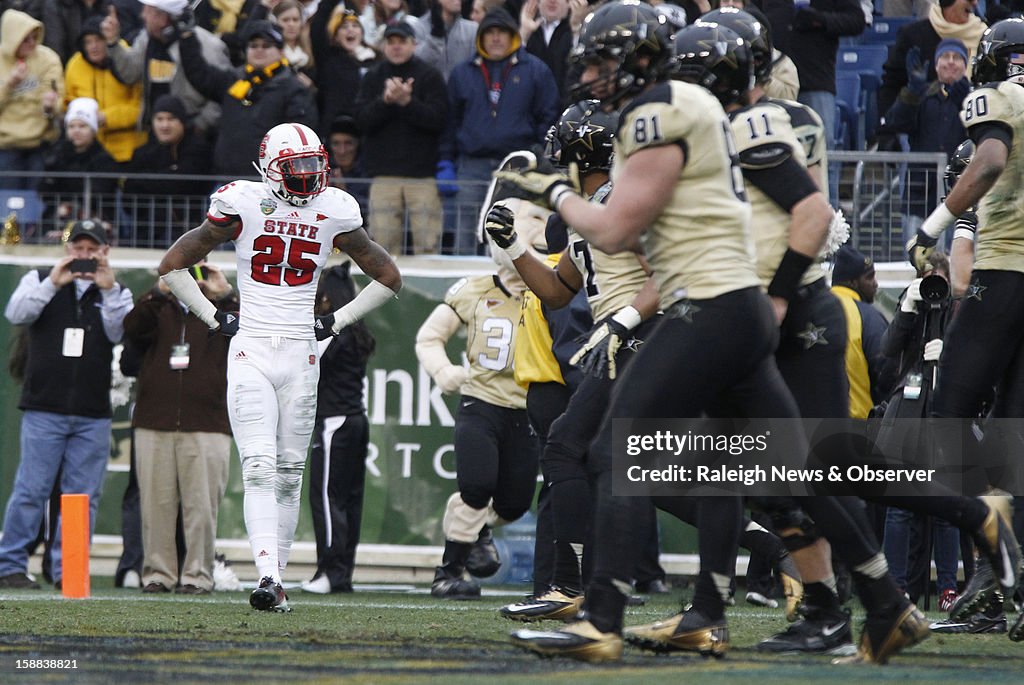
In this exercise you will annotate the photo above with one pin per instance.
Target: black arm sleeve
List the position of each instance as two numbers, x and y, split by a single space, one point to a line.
786 184
992 129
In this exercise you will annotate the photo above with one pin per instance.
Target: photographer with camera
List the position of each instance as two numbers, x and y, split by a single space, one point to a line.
74 315
182 431
914 341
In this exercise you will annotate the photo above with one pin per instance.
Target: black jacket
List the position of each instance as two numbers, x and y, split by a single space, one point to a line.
63 157
192 399
244 122
555 54
189 157
402 141
810 37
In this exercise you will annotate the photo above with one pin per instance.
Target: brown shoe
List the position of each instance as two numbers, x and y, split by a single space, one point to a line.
191 590
155 588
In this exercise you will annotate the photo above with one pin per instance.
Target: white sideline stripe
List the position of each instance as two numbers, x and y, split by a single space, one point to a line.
298 600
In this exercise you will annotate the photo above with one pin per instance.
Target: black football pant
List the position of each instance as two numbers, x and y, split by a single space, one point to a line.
703 354
564 459
983 350
495 457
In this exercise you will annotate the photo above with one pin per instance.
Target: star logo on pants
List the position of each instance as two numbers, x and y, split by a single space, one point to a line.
813 335
683 309
633 344
974 290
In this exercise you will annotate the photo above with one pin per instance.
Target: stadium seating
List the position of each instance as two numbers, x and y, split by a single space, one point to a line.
884 30
866 61
849 111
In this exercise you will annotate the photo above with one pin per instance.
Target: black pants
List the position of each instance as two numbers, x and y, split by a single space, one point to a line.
496 457
337 472
704 354
545 402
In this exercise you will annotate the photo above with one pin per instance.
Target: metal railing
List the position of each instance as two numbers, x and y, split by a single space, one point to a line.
884 195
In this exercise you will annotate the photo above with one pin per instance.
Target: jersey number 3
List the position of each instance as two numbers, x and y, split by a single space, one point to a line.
270 254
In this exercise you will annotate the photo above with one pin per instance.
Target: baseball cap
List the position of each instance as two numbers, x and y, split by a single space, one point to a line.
400 28
264 29
89 228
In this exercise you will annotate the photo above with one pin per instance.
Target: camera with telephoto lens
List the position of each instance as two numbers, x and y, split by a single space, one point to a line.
934 289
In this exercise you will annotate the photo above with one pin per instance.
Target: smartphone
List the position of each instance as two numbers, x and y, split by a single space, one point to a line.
200 273
82 266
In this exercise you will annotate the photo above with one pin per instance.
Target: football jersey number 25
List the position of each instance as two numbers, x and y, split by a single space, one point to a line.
270 254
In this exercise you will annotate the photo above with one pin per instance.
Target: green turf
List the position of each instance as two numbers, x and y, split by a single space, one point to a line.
389 637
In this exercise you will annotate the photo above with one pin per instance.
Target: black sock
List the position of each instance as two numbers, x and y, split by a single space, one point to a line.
821 597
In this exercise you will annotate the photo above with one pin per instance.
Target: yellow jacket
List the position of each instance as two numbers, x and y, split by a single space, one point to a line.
856 361
22 123
119 103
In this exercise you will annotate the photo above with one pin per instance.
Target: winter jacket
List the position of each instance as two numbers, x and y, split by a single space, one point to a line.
402 141
925 35
278 99
810 37
132 66
526 109
22 124
457 45
192 399
120 103
63 157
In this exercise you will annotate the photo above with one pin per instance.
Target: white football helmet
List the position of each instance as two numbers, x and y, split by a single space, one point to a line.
293 163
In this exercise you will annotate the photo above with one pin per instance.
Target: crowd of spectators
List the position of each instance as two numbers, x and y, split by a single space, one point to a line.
238 68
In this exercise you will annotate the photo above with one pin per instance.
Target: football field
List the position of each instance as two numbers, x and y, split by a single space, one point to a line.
123 636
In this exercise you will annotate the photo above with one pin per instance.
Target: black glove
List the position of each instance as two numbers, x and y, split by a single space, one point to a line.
919 249
500 225
808 19
323 327
228 323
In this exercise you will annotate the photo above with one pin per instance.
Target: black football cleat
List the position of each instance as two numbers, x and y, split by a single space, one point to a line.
554 604
818 632
269 596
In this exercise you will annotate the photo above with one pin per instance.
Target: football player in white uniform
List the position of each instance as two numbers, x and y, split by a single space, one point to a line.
283 229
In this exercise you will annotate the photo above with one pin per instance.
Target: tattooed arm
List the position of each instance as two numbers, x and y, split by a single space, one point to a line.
373 259
375 263
186 251
196 244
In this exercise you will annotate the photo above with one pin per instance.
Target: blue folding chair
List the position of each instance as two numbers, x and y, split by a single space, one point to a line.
866 61
884 30
849 119
24 203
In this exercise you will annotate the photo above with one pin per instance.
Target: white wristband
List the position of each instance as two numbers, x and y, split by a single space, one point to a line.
515 250
186 289
938 220
558 195
628 316
369 298
965 233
